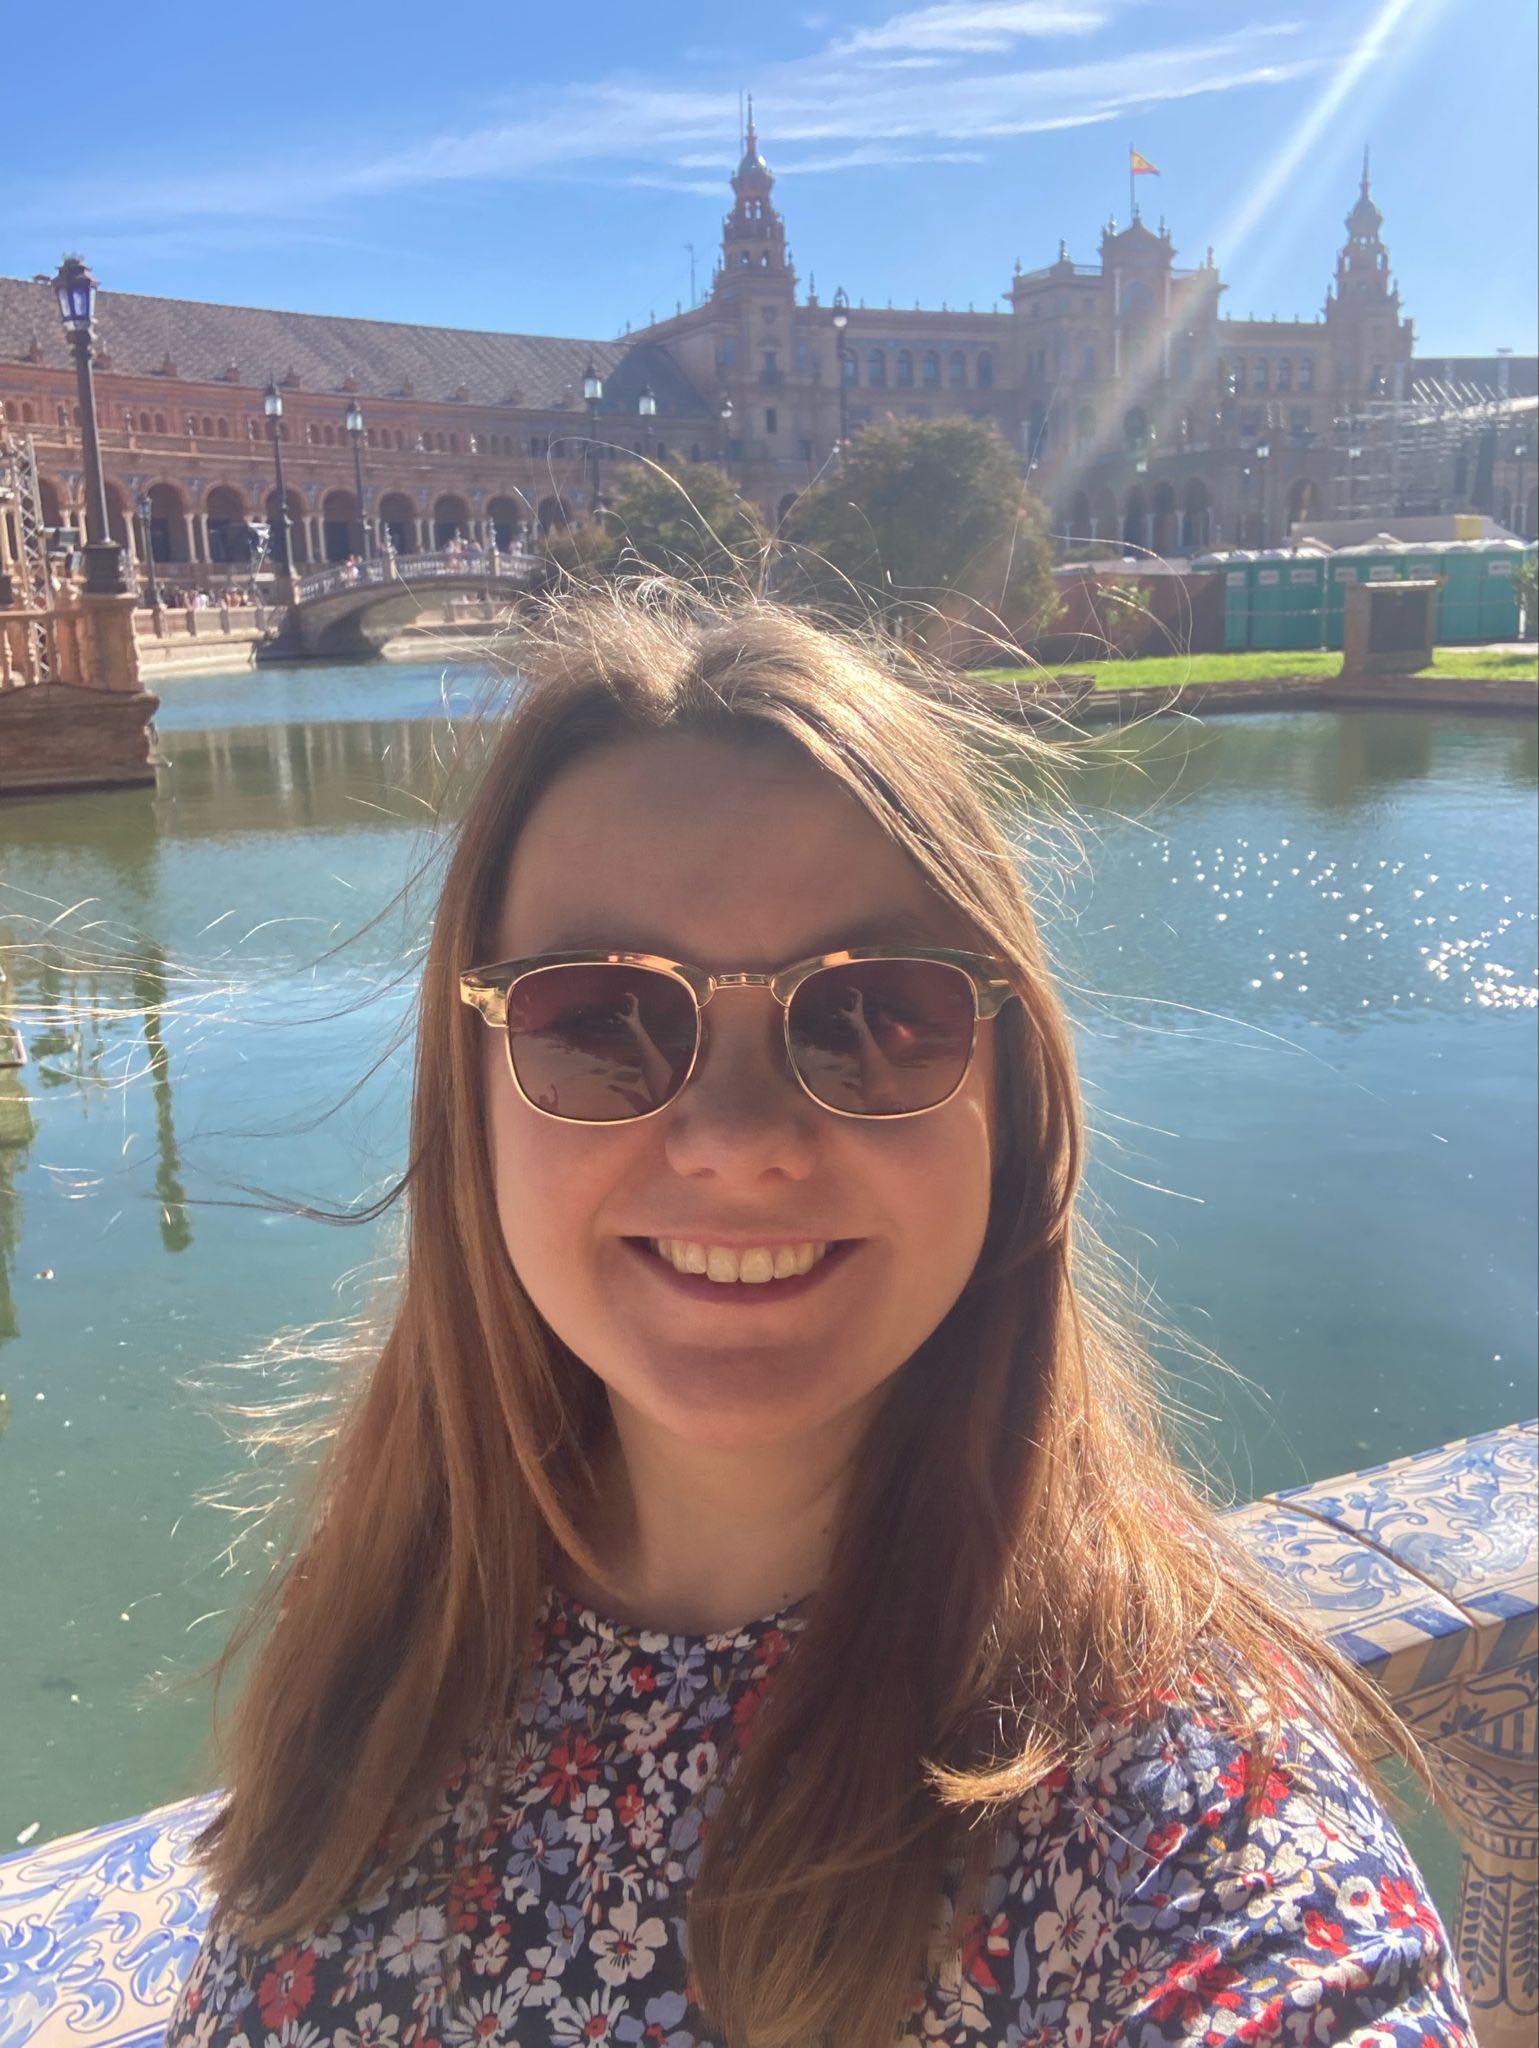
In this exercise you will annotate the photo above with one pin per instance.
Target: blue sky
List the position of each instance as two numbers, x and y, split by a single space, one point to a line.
543 169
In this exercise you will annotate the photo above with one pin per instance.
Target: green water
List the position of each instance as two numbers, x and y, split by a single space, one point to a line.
1303 961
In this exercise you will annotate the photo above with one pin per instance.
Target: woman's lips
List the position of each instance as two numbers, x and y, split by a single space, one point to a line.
740 1294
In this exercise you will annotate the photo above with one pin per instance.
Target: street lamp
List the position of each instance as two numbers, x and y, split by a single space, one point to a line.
646 404
354 419
145 511
75 289
1263 455
593 392
841 320
724 414
272 405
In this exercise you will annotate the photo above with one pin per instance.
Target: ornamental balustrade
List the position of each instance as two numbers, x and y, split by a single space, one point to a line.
1424 1571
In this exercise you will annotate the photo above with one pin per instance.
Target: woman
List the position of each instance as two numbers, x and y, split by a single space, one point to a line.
748 1598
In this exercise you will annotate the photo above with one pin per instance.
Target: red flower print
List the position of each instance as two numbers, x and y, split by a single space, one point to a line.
285 1991
472 1894
1195 1985
630 1805
983 1940
1263 2025
573 1764
1162 1840
1322 1933
644 1679
1405 1906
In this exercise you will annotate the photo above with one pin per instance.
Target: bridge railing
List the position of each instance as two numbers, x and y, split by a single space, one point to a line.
501 563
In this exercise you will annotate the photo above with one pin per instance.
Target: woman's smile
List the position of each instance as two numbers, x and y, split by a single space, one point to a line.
743 1293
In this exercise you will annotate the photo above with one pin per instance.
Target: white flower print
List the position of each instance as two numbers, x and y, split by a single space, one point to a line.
537 1980
587 2022
1066 1931
486 2018
625 1950
375 2028
490 1956
415 1941
701 1766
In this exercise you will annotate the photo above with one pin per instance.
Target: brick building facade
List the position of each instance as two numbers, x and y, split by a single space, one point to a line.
1140 411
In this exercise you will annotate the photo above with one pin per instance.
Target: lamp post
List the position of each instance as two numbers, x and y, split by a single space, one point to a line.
272 405
646 404
593 392
724 414
841 320
75 289
354 418
145 511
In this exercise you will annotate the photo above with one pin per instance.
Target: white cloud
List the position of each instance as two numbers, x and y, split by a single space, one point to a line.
978 26
855 101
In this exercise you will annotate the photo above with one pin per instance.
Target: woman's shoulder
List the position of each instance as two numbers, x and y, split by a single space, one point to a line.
1155 1892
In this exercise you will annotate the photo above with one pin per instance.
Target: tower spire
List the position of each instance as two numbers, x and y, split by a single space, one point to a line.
751 141
1365 165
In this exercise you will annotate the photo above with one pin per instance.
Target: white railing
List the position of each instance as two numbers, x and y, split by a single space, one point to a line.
500 563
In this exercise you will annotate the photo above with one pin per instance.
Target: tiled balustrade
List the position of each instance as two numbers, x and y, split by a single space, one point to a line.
1425 1571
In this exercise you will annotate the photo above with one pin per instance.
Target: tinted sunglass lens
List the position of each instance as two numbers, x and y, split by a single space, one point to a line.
883 1037
598 1044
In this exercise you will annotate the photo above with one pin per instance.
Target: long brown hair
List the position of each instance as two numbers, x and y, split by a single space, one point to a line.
1018 1548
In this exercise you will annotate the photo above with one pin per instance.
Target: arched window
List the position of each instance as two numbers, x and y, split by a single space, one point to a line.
985 371
1307 374
930 372
208 428
1263 374
1135 430
160 423
956 370
905 368
222 429
454 444
851 367
1285 374
876 366
1084 427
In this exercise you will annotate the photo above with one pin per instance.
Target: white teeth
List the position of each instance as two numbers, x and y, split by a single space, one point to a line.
753 1267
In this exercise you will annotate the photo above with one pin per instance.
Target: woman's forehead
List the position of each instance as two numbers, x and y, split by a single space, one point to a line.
695 837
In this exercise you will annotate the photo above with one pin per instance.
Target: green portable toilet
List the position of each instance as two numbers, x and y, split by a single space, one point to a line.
1304 602
1339 577
1458 612
1268 596
1237 598
1498 590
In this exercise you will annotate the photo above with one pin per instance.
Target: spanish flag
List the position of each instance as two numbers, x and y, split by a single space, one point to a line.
1140 166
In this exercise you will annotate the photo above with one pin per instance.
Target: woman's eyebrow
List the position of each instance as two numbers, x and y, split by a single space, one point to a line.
878 929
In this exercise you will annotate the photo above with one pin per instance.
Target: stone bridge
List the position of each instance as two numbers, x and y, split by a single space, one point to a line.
349 611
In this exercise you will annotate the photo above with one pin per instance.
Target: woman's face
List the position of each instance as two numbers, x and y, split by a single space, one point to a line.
731 860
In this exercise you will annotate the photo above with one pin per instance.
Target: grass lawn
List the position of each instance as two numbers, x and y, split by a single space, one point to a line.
1167 670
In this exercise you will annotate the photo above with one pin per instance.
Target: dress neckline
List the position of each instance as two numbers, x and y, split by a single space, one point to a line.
632 1636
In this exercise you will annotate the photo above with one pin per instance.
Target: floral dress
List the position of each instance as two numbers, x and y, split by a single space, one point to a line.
1131 1904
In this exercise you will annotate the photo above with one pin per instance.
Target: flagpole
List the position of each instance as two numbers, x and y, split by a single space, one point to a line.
1132 202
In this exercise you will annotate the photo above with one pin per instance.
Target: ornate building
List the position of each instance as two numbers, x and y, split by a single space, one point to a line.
1140 411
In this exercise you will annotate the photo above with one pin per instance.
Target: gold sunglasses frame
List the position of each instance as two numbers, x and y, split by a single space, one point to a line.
486 990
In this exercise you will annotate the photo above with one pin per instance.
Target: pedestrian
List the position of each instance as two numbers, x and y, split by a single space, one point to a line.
749 1596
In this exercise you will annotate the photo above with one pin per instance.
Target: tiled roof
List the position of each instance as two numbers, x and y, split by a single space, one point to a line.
138 335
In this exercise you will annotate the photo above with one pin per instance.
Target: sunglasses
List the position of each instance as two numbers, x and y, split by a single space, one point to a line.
606 1038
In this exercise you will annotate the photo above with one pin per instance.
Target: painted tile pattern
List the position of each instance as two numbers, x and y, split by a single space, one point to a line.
1424 1570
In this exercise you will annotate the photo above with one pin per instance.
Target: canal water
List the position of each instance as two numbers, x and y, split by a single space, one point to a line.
1301 950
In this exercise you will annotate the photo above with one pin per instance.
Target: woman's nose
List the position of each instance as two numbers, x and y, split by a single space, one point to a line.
742 1101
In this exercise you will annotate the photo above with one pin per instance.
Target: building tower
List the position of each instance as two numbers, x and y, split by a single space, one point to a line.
1362 309
753 234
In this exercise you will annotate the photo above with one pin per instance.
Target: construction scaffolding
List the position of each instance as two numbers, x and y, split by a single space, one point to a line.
1433 452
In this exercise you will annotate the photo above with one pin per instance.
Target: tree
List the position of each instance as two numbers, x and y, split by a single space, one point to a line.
681 519
926 515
